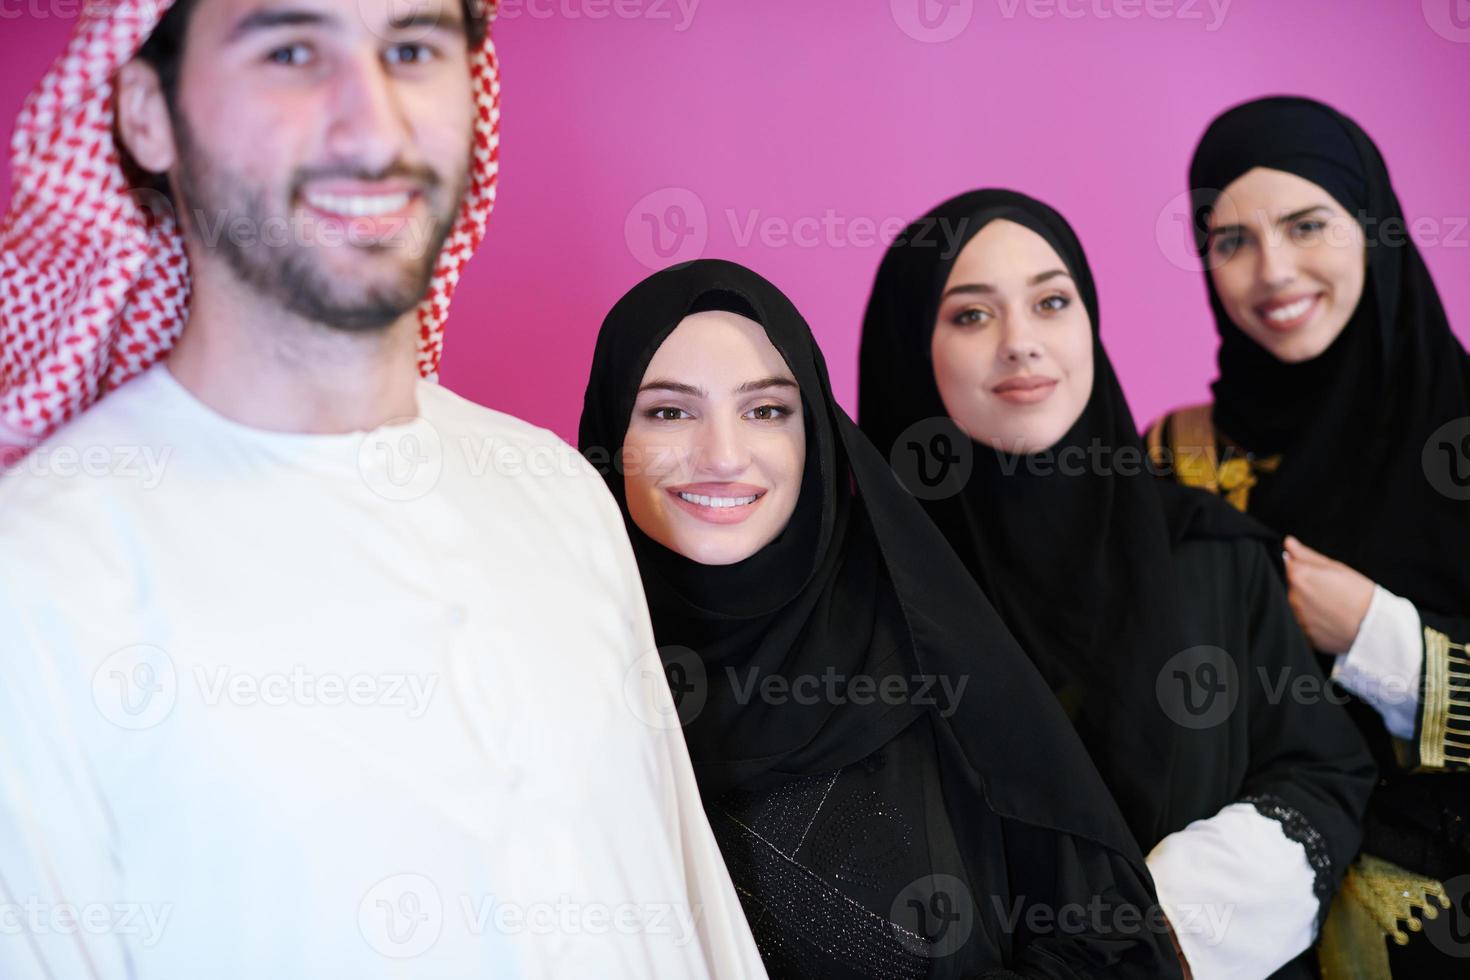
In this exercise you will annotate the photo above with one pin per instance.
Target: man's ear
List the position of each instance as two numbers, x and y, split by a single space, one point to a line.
143 122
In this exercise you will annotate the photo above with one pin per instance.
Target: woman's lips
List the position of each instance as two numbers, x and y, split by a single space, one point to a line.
1026 389
1286 315
717 503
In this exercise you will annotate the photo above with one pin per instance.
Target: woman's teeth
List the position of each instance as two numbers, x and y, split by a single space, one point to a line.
703 501
1282 314
359 206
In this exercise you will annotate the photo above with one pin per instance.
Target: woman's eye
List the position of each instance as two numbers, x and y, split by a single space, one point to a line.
409 54
1308 229
768 413
1055 303
1225 246
970 317
666 414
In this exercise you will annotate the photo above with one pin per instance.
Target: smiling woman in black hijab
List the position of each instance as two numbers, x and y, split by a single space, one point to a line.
894 790
1151 610
1341 417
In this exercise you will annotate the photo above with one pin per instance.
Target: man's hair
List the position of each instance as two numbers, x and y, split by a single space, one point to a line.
164 49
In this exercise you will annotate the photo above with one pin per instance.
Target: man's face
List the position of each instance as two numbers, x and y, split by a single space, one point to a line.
323 148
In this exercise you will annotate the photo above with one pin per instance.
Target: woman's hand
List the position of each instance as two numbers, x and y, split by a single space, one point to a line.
1329 598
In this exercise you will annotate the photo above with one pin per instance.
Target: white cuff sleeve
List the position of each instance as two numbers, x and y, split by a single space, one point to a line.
1385 661
1238 892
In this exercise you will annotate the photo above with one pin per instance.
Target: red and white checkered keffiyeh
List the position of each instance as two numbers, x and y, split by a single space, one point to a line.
94 288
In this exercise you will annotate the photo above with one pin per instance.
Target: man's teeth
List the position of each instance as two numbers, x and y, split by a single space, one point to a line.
1291 311
359 206
704 501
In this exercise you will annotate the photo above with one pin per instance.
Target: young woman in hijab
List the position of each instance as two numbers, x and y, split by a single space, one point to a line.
892 785
1341 418
1152 610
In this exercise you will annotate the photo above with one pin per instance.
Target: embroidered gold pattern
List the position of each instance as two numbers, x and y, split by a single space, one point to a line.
1378 901
1444 733
1193 445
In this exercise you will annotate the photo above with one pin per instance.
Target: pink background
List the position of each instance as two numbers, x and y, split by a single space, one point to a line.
833 119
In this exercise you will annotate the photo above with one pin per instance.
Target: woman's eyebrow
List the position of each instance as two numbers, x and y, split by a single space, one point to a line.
774 381
677 387
985 287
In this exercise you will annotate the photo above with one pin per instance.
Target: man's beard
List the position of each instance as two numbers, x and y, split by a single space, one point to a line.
218 200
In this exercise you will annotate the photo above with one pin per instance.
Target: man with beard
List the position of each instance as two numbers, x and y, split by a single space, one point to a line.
310 667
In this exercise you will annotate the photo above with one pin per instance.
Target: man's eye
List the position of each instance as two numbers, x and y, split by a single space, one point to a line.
415 54
291 54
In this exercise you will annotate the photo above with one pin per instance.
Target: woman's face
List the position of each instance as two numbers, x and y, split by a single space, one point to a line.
1012 345
715 449
1287 261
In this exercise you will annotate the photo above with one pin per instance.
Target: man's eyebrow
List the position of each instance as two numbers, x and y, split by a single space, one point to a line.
273 17
450 21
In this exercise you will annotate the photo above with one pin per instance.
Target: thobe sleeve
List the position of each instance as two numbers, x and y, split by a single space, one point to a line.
1246 888
59 870
729 947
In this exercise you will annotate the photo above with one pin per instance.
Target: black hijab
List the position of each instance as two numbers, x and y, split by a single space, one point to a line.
1078 561
1360 479
858 581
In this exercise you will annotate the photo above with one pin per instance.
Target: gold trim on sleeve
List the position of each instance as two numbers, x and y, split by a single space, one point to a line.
1444 732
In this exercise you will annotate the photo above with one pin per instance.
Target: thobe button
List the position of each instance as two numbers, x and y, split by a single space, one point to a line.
456 614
